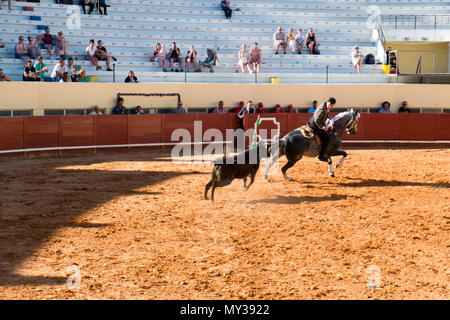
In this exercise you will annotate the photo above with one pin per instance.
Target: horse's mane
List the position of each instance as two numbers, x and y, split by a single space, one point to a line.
339 116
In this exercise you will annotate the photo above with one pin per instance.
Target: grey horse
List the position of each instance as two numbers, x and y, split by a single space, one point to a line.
295 144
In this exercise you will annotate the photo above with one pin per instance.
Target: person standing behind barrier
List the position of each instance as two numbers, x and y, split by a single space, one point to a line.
385 107
404 108
220 109
96 111
313 108
226 7
119 108
249 108
179 109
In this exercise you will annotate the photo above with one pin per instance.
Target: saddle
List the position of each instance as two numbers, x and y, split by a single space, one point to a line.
308 133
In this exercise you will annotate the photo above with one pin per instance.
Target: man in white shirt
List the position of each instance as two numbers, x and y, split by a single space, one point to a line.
59 70
90 51
299 41
96 111
357 57
279 39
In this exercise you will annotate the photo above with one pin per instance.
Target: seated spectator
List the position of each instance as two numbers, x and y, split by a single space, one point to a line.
3 76
65 77
159 55
29 73
119 108
404 108
311 41
102 54
90 51
260 108
290 109
60 44
180 109
290 40
226 7
103 5
96 111
279 40
69 64
220 109
40 67
33 50
9 4
277 109
244 59
21 51
255 57
131 78
59 70
175 56
357 58
385 107
239 108
90 3
138 110
299 41
191 58
74 77
83 76
46 40
313 108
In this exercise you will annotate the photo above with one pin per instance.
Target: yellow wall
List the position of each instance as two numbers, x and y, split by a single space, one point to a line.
40 96
408 59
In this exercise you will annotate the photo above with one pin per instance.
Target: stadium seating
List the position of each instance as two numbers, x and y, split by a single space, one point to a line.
132 28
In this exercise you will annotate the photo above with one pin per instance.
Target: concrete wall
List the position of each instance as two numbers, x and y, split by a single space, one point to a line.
40 96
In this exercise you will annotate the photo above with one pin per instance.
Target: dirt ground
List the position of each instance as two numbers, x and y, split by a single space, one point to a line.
137 228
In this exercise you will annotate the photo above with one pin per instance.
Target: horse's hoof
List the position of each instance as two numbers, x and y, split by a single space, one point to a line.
332 175
289 179
267 179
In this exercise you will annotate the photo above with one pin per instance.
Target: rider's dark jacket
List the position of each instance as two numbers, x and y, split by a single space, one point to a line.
317 122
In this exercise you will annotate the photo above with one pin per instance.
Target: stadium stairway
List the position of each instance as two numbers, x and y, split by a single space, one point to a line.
133 27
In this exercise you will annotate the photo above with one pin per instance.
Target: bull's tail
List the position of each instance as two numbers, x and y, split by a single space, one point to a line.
280 151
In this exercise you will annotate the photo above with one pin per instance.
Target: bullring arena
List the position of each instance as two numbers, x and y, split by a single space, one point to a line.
95 206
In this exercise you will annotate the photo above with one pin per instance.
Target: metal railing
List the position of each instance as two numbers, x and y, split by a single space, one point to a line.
416 21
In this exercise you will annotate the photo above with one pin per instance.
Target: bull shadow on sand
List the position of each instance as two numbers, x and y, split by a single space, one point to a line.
389 183
301 199
42 198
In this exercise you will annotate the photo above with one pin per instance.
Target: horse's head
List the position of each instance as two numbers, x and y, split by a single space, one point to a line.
352 126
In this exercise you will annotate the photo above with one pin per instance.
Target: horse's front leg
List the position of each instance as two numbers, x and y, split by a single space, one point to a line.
340 162
330 168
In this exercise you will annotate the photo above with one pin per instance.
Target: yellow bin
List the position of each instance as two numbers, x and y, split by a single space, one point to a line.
274 80
93 78
386 68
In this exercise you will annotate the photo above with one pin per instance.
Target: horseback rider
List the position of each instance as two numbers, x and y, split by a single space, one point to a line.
317 124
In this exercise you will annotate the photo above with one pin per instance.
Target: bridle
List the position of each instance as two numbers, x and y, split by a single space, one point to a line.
350 128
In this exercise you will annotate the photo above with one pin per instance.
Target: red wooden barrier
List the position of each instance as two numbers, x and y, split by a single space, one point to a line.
111 129
11 133
76 131
144 129
443 127
41 132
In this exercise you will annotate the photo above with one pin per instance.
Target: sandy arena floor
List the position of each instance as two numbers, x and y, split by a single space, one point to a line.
137 227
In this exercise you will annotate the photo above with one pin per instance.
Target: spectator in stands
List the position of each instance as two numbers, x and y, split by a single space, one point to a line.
59 70
180 109
311 41
29 73
388 54
90 3
277 109
191 58
159 55
290 40
2 44
103 5
82 76
21 50
404 108
138 110
385 107
260 108
279 40
299 41
255 57
249 108
66 77
74 77
313 108
40 67
175 56
244 59
226 7
290 109
90 51
357 57
131 78
96 111
60 44
33 50
102 54
119 108
239 108
220 109
69 64
3 76
9 4
46 40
